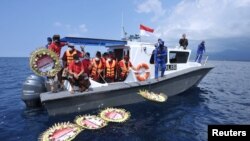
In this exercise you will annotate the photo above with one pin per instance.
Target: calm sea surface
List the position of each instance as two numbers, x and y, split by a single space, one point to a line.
223 97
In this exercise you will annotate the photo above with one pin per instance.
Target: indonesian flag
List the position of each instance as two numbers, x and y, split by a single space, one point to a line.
144 29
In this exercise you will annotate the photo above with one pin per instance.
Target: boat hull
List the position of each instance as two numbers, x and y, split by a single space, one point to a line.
121 93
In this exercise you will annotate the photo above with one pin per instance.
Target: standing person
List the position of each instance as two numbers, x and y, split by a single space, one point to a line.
77 76
183 41
200 51
49 40
160 55
124 66
97 67
56 47
110 69
105 55
69 53
86 63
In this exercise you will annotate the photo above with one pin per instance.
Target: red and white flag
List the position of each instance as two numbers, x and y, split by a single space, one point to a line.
144 30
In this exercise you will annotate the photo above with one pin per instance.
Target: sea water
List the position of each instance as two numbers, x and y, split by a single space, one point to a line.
222 97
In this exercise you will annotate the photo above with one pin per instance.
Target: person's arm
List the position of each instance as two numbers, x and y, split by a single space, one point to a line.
100 70
81 71
82 49
90 65
198 49
155 55
70 67
64 59
120 65
80 54
180 42
62 44
163 53
133 68
51 47
71 70
187 42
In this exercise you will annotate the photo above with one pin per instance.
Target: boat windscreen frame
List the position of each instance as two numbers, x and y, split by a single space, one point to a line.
93 41
183 55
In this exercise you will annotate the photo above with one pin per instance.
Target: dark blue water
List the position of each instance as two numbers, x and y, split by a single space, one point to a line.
223 97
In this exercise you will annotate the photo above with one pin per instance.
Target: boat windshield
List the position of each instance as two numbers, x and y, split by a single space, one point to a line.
178 57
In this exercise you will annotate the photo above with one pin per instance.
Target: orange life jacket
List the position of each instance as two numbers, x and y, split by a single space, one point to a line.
124 68
110 69
95 68
70 56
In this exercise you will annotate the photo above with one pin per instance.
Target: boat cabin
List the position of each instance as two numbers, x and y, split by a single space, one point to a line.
139 53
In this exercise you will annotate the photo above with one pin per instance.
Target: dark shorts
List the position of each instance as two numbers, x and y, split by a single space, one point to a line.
82 82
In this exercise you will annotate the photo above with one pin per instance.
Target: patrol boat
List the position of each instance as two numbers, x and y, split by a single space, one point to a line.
180 75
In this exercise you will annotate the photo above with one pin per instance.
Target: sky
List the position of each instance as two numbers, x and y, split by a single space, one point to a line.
223 24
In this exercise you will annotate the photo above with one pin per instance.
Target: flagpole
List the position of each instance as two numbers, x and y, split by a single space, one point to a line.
122 26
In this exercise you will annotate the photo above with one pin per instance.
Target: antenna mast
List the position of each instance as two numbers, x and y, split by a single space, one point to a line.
123 33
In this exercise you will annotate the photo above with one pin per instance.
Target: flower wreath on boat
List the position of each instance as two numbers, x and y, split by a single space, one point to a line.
44 62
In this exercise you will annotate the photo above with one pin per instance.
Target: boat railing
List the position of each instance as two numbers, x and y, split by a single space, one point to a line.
205 62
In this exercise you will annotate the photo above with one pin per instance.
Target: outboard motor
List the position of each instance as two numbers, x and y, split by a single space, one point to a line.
32 88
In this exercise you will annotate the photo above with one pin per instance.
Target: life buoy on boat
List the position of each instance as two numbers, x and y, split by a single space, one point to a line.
142 73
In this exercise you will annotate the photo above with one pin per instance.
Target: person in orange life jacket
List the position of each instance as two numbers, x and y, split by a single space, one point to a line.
97 67
105 55
68 58
103 59
112 56
124 68
69 53
87 63
49 40
77 75
110 69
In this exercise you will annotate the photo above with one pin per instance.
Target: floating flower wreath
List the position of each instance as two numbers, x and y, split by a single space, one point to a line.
115 115
62 131
90 122
44 62
153 96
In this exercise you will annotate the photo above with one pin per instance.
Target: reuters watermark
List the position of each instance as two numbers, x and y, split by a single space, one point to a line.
226 132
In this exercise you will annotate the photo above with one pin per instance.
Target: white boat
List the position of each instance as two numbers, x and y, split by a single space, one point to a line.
180 75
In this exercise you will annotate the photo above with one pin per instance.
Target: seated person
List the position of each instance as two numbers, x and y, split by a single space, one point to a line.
68 58
77 76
